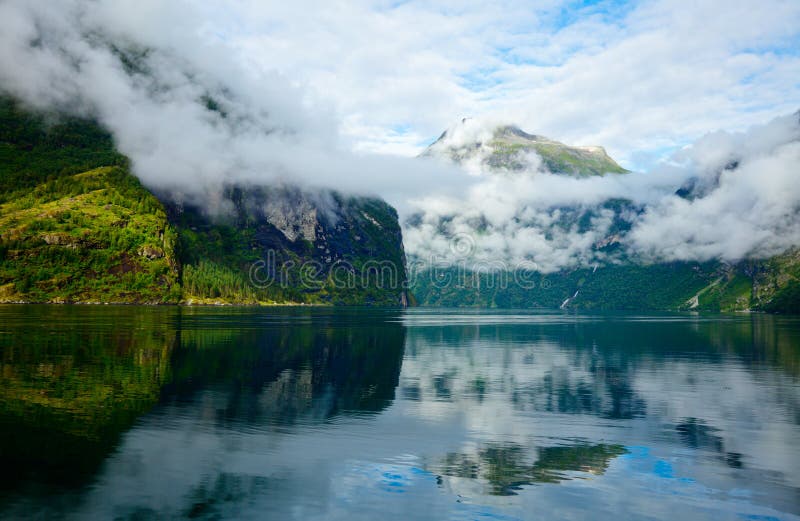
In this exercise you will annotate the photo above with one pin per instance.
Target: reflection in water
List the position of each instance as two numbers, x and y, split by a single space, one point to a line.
66 394
299 370
695 433
138 413
506 467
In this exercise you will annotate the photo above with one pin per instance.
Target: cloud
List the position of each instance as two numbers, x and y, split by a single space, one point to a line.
637 77
640 78
200 94
728 196
749 203
150 73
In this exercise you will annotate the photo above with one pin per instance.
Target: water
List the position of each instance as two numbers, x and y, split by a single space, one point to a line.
168 413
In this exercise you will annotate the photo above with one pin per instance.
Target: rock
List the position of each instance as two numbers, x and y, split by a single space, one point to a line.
60 239
291 212
151 252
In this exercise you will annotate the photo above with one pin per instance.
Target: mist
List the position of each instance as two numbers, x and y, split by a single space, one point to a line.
193 118
728 196
190 118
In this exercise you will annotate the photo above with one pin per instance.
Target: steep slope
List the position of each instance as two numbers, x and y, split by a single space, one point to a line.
92 237
36 147
510 148
286 245
76 226
771 285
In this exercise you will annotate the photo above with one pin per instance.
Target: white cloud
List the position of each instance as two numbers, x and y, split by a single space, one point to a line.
636 78
745 203
58 56
310 88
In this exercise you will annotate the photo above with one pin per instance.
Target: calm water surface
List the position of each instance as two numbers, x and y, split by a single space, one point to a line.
168 413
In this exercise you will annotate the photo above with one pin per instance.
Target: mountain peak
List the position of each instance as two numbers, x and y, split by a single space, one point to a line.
508 147
513 131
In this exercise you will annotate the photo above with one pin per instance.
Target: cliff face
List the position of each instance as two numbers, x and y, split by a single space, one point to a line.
283 244
76 226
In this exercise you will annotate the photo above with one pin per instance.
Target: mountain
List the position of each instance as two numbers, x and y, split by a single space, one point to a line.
509 148
282 244
77 226
619 280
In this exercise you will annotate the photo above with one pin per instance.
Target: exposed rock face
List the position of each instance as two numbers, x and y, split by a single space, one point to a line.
59 239
151 252
291 212
322 246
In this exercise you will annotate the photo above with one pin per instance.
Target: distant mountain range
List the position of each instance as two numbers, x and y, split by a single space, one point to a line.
623 282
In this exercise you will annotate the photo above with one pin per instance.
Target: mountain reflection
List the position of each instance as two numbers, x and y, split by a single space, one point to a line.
129 413
67 392
74 379
303 369
507 467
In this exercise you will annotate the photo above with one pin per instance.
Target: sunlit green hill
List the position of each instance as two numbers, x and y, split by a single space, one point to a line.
77 226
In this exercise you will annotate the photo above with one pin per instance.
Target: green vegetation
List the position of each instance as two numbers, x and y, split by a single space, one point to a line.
68 392
509 146
76 226
556 157
356 258
772 285
35 148
74 378
634 287
506 468
98 236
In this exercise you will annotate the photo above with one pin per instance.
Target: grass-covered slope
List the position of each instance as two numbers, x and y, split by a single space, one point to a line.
771 285
75 225
35 148
510 149
777 286
98 236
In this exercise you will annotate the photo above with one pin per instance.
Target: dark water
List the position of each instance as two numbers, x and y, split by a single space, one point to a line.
167 413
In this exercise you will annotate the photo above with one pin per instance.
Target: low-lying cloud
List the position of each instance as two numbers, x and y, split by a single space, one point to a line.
190 117
193 117
728 196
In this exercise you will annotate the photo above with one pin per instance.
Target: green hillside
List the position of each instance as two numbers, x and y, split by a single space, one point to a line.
77 226
36 147
771 285
98 236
